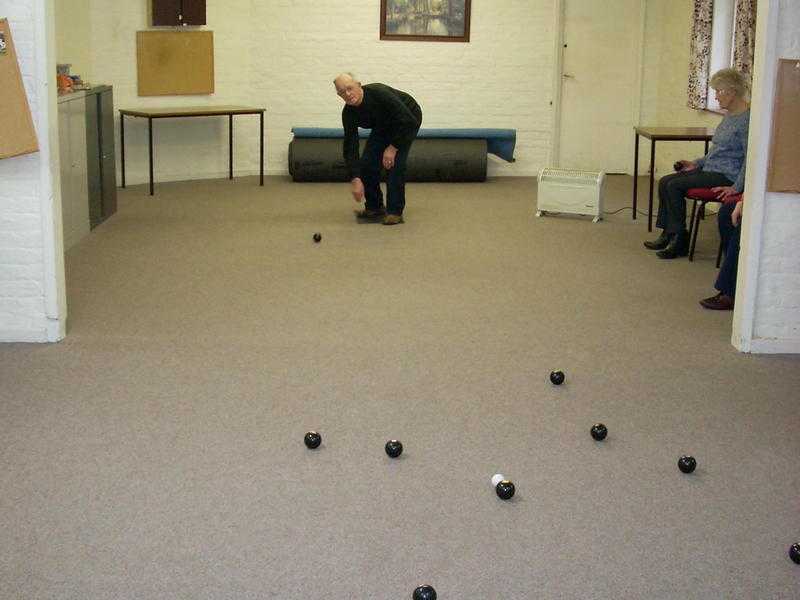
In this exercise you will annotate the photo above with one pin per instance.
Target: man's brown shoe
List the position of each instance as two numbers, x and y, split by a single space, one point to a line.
718 302
369 214
392 219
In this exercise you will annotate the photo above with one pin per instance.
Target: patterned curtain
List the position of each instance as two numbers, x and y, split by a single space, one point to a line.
744 37
699 53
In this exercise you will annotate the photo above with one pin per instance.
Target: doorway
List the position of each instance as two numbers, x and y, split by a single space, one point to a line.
598 83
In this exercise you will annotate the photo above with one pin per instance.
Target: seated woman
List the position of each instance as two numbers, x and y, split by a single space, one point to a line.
723 166
728 219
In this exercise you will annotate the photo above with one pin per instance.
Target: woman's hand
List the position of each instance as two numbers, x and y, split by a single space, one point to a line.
724 191
736 215
687 165
357 189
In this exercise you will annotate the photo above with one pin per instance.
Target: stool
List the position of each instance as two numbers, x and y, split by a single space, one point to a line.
701 197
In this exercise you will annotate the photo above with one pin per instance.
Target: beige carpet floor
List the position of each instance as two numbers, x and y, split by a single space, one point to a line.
157 451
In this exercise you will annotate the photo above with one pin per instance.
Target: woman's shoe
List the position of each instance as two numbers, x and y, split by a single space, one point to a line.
659 243
678 246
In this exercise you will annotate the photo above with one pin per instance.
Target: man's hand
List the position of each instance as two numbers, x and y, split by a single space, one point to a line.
388 157
687 165
357 189
736 215
724 191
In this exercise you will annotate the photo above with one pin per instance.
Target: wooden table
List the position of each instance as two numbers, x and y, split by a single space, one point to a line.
196 111
657 134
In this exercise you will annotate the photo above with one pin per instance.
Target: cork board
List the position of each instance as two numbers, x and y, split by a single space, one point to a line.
17 134
784 154
175 63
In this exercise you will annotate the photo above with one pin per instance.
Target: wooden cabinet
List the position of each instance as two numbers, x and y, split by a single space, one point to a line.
179 12
194 12
166 12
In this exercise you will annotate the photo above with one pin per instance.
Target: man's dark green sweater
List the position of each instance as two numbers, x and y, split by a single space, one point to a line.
390 112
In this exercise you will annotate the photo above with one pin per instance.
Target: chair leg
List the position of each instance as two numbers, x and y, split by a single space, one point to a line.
696 225
691 219
719 254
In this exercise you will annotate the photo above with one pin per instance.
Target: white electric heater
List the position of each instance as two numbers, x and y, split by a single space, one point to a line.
571 191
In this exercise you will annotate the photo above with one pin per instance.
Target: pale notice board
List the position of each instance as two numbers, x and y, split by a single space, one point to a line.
784 155
17 134
175 62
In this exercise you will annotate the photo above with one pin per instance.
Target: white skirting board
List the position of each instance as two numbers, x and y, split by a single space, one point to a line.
774 346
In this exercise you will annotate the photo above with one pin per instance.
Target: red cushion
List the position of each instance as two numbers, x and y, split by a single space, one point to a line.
709 196
701 194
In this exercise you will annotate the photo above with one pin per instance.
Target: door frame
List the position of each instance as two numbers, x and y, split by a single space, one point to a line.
54 276
558 80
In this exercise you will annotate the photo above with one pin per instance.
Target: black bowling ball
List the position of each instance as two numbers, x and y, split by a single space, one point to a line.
505 489
557 377
313 439
599 432
318 237
794 553
424 592
394 448
687 464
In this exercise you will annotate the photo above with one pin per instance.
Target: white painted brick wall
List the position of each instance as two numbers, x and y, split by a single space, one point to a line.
777 313
284 54
22 308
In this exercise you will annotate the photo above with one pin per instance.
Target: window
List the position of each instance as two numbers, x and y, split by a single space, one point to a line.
721 56
723 35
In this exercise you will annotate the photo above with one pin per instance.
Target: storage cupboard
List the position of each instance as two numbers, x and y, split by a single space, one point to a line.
88 163
101 167
179 12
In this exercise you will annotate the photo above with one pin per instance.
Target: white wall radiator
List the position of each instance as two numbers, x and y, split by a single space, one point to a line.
571 191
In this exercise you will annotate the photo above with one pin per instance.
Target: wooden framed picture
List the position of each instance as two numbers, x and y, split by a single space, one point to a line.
425 20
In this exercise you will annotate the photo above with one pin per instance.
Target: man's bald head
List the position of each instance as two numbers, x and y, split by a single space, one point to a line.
344 78
349 89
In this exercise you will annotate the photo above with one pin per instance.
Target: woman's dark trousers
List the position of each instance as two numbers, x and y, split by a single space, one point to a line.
672 196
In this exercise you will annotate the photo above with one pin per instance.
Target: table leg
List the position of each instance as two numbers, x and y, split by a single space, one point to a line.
261 152
635 173
150 138
706 148
230 146
652 179
122 145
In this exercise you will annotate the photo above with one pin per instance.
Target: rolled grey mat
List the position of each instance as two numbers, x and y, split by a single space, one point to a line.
430 159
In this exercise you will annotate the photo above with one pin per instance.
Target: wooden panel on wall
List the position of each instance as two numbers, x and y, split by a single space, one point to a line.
17 134
175 62
784 155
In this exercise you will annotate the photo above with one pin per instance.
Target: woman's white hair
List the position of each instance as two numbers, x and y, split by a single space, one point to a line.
730 79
